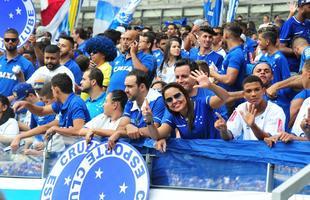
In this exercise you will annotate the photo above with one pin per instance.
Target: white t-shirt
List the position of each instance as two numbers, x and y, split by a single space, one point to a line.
272 121
167 74
9 128
303 112
103 122
44 71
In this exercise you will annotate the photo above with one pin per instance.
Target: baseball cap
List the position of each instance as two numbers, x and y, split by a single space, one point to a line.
22 90
303 2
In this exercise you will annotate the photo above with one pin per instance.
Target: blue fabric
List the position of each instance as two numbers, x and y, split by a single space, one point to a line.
122 66
234 59
95 106
136 118
159 56
201 125
72 109
303 94
210 58
75 69
279 65
213 12
232 10
40 120
304 57
289 30
249 48
7 78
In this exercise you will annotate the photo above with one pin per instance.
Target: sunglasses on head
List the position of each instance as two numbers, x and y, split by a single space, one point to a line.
10 39
176 96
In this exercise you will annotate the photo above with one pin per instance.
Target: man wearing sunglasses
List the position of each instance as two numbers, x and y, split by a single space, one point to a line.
14 68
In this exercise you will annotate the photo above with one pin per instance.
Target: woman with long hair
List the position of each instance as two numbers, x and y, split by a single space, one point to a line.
172 53
8 125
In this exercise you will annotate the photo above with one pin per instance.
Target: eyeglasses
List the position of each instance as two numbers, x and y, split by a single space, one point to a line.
10 39
177 96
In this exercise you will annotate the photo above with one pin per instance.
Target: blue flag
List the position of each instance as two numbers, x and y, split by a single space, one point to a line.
213 12
111 13
232 9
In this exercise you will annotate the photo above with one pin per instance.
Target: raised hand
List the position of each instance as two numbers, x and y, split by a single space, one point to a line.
201 78
147 112
19 105
220 124
249 115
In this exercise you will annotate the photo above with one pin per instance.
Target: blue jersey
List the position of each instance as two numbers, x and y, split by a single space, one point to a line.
122 66
159 56
7 78
157 106
210 58
248 49
75 69
279 66
304 57
290 29
201 124
72 109
305 93
234 59
95 106
40 120
82 49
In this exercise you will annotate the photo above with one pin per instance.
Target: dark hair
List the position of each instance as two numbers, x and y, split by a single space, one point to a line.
218 28
161 36
262 62
172 24
207 29
203 66
189 103
70 39
252 79
192 65
63 82
119 96
96 74
82 33
51 49
163 84
150 36
114 35
187 27
83 62
11 30
167 51
8 113
271 36
141 77
234 29
46 91
103 45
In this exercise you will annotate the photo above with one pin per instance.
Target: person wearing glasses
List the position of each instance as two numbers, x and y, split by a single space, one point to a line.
190 118
14 68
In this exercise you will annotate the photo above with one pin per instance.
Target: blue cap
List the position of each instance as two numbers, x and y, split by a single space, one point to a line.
22 90
303 2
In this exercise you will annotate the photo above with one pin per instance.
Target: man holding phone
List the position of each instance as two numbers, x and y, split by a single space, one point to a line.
131 59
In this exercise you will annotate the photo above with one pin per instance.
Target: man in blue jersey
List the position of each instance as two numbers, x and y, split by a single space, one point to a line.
233 70
79 36
158 50
92 84
138 90
298 25
72 111
66 45
14 68
204 51
132 59
301 49
267 42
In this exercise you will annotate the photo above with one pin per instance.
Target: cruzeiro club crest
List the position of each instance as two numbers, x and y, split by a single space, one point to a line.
111 175
17 14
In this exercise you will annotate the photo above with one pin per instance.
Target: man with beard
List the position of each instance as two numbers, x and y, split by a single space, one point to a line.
298 25
66 45
92 84
254 119
52 66
14 68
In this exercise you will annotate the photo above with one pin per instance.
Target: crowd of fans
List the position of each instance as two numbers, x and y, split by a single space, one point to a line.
190 82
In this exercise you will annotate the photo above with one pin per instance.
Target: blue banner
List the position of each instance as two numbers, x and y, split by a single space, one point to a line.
213 10
232 10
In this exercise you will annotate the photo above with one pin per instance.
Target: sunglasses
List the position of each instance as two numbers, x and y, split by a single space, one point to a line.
94 52
10 39
177 96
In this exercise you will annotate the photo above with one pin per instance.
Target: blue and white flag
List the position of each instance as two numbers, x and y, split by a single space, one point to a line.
112 13
232 10
19 15
214 12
